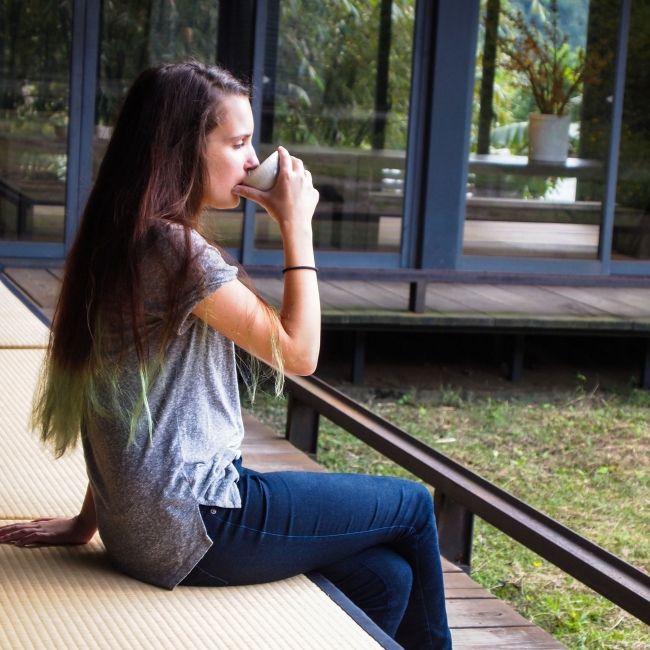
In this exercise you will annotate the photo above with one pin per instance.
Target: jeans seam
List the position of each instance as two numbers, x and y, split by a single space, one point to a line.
411 529
420 588
211 575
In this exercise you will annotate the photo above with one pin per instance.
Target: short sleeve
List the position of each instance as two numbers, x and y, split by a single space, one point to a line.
208 272
211 272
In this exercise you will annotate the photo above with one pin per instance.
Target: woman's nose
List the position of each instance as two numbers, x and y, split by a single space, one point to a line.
252 161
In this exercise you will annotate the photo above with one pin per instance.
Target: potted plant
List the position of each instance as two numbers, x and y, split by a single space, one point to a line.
540 55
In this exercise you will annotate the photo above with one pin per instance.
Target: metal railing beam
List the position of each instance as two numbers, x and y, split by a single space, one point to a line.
616 580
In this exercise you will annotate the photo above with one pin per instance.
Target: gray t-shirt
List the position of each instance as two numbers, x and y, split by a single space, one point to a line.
147 492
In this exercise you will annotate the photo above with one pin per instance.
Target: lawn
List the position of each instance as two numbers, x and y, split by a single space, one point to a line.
580 455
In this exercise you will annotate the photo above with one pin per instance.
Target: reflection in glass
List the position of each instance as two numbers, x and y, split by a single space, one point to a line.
518 204
632 213
137 34
34 87
336 94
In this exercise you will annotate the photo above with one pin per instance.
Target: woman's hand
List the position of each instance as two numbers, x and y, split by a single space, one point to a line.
47 530
292 200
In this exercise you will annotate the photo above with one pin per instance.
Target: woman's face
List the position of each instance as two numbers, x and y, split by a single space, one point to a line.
229 153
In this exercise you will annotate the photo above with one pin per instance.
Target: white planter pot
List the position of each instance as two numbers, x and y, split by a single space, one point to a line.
548 137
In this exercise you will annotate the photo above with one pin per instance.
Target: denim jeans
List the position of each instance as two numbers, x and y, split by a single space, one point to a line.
374 537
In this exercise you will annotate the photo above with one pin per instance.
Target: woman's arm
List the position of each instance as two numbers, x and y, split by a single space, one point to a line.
237 313
47 530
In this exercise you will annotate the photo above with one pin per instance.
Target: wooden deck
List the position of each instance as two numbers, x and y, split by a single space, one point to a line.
367 304
384 305
362 306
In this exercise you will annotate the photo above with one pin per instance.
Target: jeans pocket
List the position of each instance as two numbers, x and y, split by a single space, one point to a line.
199 577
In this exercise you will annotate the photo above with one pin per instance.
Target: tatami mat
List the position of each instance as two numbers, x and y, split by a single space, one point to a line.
68 597
19 328
32 482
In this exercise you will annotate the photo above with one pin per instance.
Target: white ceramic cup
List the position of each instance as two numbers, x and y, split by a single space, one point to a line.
263 177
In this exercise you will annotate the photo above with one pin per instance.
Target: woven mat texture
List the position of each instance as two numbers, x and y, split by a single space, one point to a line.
19 328
32 482
68 597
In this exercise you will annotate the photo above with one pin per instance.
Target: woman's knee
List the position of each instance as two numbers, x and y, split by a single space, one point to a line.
420 502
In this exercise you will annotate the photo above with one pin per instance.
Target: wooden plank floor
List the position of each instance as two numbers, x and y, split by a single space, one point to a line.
477 618
355 303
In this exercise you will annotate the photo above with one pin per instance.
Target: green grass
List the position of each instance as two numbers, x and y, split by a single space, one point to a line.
582 458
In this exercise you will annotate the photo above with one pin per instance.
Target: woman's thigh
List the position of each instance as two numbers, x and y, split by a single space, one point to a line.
294 522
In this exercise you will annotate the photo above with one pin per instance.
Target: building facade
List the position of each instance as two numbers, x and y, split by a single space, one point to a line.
407 112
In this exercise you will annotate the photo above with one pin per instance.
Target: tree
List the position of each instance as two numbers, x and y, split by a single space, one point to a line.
327 72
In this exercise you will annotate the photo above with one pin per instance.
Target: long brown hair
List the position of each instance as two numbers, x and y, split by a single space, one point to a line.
153 170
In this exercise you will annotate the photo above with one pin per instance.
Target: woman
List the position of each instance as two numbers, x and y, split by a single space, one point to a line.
141 366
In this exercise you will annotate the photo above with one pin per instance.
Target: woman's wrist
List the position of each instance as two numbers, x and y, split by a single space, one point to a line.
298 251
85 526
85 522
301 236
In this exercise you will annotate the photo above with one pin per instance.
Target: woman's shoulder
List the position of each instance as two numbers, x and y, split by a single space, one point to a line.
169 243
168 238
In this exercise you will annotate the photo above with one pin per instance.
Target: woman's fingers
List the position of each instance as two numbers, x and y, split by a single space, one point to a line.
25 537
34 537
11 528
14 533
46 530
263 197
284 161
293 198
249 193
298 165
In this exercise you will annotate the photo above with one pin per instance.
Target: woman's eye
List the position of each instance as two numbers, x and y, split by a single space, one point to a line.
239 145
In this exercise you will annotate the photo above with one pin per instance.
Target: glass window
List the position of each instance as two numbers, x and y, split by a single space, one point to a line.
336 94
540 128
34 89
632 213
137 34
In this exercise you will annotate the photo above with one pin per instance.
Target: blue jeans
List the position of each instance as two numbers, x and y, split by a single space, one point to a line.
374 537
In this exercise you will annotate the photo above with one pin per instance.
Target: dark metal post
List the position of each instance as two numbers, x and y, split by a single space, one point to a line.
645 365
517 365
25 211
302 425
455 530
611 179
382 102
236 35
83 86
418 124
358 357
417 296
257 74
486 112
270 70
445 184
487 184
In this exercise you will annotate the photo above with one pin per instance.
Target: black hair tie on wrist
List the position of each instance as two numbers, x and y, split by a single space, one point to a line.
299 268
